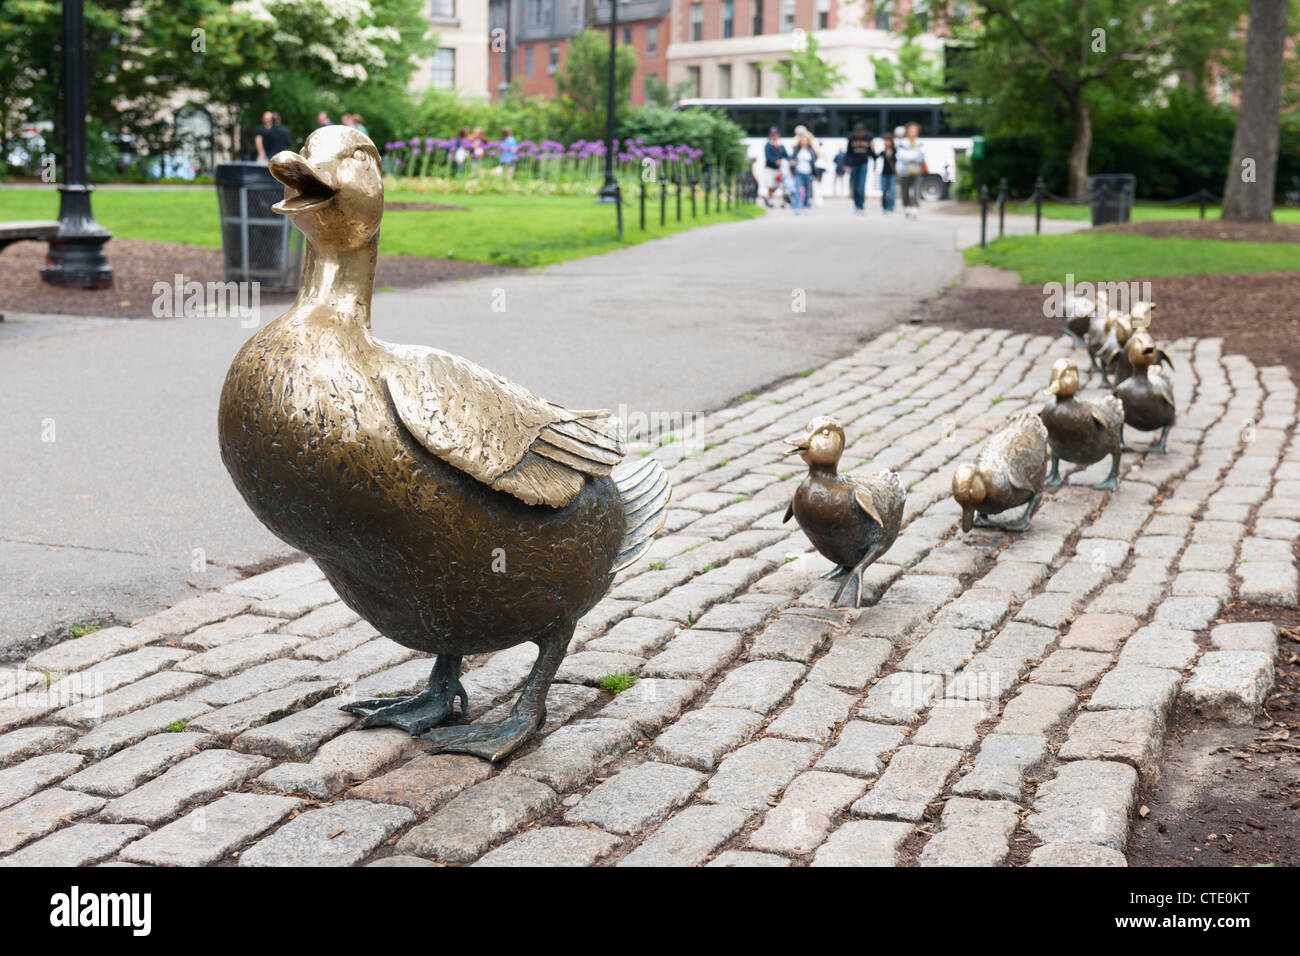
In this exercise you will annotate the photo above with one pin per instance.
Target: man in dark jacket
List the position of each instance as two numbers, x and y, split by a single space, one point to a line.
773 153
860 155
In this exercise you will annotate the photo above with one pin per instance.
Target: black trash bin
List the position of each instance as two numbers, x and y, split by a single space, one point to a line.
258 245
1111 197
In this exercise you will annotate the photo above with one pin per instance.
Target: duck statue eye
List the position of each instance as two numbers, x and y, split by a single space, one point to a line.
359 155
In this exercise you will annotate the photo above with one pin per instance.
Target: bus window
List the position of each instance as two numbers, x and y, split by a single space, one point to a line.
814 117
844 118
924 115
949 128
756 122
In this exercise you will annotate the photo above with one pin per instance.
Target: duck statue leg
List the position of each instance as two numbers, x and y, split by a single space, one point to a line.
426 709
1022 523
492 741
1164 435
1053 479
853 583
1111 481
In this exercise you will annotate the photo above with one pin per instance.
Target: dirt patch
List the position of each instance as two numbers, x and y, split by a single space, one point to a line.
1230 796
138 264
1257 315
1209 229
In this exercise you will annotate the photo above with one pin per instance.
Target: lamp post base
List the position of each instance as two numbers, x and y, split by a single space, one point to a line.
76 258
609 192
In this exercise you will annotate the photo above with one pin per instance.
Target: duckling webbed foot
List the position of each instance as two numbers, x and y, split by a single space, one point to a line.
418 713
1022 523
1111 481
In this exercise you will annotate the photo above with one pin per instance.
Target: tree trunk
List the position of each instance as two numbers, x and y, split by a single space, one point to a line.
1080 148
1252 174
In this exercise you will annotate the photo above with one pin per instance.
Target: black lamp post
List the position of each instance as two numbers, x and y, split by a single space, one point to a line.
76 258
610 192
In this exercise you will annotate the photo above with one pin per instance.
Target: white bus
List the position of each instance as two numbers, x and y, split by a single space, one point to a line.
831 121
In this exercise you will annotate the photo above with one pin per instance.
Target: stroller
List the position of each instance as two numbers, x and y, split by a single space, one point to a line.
786 186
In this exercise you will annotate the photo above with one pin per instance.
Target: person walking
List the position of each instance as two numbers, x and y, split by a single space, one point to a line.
323 119
773 153
509 152
804 161
888 156
477 147
911 167
841 168
460 151
860 154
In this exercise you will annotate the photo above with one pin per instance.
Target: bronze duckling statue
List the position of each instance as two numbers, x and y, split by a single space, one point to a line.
849 519
1008 472
1111 357
1077 318
1098 326
1081 430
454 510
1148 395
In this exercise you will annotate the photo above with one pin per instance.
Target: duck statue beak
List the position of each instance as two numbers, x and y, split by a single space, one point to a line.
1054 388
798 445
305 187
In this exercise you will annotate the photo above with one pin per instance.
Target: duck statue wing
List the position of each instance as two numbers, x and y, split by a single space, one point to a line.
1162 383
498 432
881 496
1108 412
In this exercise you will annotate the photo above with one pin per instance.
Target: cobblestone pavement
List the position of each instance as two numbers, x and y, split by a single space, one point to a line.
1003 700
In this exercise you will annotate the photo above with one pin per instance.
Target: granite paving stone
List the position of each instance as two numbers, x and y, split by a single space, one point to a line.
913 778
813 713
571 755
1133 736
343 834
901 697
43 813
81 652
800 821
1136 686
1088 801
36 773
974 833
638 798
1230 685
207 834
758 686
652 702
953 723
424 783
1001 764
863 843
81 844
232 629
193 613
127 769
695 654
1036 709
756 772
113 735
478 817
700 738
195 779
228 658
553 846
852 662
30 741
690 837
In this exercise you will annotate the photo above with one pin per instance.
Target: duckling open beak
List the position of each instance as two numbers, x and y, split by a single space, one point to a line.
800 445
304 186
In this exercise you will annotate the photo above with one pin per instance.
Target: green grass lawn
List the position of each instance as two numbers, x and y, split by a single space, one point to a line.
1096 257
509 230
1060 210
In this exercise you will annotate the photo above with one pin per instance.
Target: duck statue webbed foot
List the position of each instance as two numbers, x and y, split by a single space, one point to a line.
421 711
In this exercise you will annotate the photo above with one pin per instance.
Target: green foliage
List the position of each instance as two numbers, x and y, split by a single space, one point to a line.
617 682
721 140
806 74
582 83
915 73
81 630
659 93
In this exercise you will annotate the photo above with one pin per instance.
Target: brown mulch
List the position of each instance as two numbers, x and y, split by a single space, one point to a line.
1257 315
1210 229
138 264
1230 796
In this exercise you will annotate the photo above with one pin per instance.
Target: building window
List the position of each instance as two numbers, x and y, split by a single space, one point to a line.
627 36
823 14
528 61
960 12
724 81
697 22
693 78
757 23
444 9
756 79
443 76
921 10
728 19
884 14
554 63
652 40
787 16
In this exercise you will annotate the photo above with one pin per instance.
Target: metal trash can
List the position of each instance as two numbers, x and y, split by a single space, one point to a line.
1111 197
258 245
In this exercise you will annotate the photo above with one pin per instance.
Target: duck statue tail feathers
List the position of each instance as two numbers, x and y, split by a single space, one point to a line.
643 486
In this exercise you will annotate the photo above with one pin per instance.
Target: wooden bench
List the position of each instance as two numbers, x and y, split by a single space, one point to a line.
17 231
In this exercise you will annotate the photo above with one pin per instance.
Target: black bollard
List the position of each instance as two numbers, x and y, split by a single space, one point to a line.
679 198
984 214
1040 187
663 202
643 205
1002 207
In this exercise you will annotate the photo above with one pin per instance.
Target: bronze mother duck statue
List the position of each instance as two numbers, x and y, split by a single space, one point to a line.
1081 430
452 509
850 519
1008 472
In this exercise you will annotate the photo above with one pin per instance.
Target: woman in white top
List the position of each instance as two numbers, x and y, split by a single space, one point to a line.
911 167
804 163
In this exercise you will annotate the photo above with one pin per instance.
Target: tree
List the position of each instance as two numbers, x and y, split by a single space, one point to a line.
1252 173
1050 62
582 82
659 93
914 73
806 74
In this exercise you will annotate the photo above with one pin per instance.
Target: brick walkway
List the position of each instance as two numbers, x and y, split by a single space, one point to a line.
1003 701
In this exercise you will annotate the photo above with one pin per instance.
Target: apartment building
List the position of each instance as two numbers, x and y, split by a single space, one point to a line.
461 60
726 48
530 38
